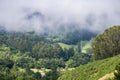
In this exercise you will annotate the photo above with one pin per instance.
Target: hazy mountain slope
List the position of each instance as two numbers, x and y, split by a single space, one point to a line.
92 71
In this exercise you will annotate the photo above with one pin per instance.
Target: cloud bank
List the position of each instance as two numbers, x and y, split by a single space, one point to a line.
41 15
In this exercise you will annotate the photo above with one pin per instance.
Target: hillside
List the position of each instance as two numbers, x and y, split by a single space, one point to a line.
92 71
28 52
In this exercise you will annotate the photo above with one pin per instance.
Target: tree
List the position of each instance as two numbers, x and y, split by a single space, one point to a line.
44 50
107 44
78 59
68 53
50 63
37 75
52 75
79 47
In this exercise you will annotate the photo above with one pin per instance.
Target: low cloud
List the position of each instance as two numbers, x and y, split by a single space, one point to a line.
41 15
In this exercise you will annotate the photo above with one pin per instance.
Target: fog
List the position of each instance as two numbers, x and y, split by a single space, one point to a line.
43 15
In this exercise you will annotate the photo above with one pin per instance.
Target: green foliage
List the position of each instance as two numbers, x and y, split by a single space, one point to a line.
85 45
81 47
6 76
4 51
52 75
50 63
117 73
21 41
37 75
78 59
93 70
22 52
44 50
107 44
23 60
77 35
68 53
63 45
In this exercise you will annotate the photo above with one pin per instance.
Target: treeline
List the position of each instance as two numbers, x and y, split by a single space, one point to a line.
70 34
78 35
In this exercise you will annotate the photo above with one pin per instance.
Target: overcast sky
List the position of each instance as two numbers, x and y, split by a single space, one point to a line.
37 15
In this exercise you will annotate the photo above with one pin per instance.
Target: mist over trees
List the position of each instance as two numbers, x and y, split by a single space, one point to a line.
43 39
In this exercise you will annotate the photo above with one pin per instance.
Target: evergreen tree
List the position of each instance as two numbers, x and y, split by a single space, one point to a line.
107 44
79 47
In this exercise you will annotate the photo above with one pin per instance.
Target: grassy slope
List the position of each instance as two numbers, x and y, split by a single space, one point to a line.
93 70
87 45
66 45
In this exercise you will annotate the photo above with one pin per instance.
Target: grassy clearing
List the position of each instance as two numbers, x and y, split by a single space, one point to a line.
86 45
65 46
92 71
21 70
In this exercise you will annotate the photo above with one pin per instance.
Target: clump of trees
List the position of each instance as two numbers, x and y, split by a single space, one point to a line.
77 35
107 44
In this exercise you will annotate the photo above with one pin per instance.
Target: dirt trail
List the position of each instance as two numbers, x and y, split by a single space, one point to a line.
40 71
107 76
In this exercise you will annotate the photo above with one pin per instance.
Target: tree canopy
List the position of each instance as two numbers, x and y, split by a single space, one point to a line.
107 44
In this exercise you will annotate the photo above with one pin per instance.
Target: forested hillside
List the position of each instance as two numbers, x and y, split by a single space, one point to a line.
105 45
31 56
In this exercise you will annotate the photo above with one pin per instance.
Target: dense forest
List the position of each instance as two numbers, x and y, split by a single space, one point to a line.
31 56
